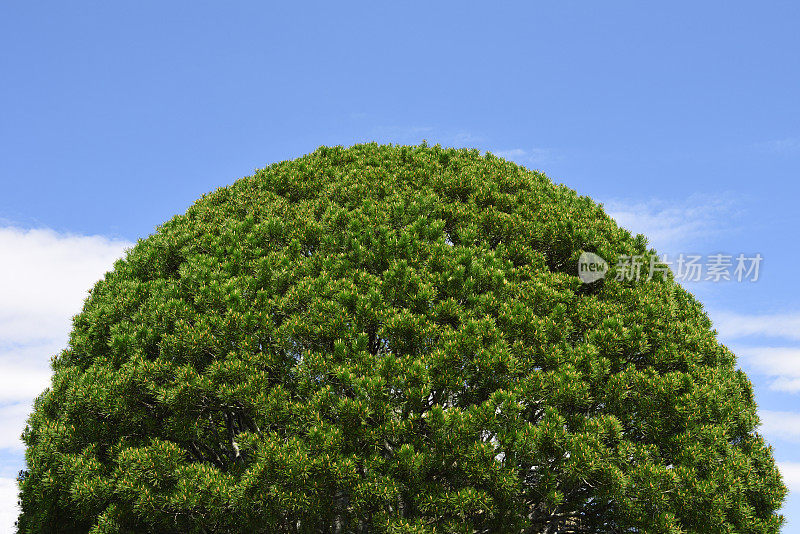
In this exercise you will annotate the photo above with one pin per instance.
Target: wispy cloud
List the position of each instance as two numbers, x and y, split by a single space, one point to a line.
780 146
765 345
780 364
9 509
748 335
12 422
736 326
462 139
402 132
674 226
527 156
416 134
24 381
791 474
780 425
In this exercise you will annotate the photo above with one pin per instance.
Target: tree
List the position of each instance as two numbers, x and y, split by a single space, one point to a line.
393 339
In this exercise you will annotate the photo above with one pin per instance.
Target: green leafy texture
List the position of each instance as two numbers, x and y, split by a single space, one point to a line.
393 339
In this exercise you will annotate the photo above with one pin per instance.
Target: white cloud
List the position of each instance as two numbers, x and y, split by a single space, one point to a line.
44 278
461 139
432 135
780 425
45 275
791 474
510 154
22 381
780 146
782 364
674 226
12 423
403 134
9 509
735 326
787 385
526 156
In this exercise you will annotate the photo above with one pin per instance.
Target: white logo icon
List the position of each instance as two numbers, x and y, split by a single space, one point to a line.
591 267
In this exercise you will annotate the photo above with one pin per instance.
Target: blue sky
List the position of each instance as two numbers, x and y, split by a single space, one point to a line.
681 117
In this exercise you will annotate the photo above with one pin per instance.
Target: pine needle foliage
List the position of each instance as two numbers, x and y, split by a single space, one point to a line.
393 339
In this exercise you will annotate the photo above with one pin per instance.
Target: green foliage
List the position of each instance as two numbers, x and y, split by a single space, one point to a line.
393 339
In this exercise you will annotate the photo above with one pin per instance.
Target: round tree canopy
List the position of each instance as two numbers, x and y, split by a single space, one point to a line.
393 339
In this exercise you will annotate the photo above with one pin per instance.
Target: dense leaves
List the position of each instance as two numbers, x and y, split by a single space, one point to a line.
393 339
